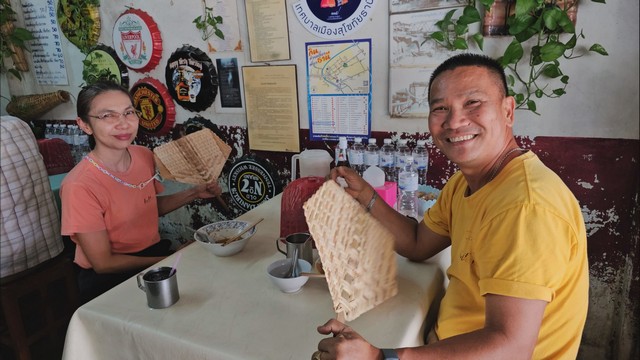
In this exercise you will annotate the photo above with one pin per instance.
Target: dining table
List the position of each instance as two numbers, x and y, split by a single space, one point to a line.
229 309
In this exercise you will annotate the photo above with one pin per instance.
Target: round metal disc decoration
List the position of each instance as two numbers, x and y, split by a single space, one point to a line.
102 63
137 40
191 78
79 22
155 106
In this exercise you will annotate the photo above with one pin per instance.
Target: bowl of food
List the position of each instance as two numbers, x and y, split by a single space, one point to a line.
214 237
278 272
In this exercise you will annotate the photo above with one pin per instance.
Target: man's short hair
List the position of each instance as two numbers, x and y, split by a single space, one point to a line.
469 59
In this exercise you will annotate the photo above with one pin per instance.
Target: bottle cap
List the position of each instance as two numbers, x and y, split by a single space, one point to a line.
342 142
387 141
422 142
372 141
357 140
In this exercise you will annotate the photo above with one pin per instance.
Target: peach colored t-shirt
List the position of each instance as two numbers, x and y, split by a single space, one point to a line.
93 201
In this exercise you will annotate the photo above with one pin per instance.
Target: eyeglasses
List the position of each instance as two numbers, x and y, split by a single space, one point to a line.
113 117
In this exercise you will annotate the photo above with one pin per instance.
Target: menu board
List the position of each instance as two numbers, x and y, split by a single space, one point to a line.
46 49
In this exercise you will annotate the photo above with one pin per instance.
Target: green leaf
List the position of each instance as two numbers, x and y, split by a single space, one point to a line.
551 51
512 54
559 92
487 3
599 49
511 80
598 1
551 16
460 29
22 34
552 71
531 105
438 36
565 79
565 23
519 98
449 15
460 44
479 40
525 7
571 43
15 73
539 93
518 24
219 34
469 15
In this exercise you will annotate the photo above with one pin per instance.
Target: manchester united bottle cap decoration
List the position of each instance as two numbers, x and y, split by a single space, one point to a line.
137 40
157 111
191 78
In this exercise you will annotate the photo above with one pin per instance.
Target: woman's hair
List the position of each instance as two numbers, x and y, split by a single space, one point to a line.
90 92
470 59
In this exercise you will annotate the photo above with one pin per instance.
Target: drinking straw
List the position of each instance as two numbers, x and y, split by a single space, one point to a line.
175 264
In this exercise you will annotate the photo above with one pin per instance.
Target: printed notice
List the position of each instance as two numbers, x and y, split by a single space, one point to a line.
268 32
271 99
46 49
339 88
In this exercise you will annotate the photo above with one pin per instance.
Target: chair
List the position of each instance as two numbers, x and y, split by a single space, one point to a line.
37 305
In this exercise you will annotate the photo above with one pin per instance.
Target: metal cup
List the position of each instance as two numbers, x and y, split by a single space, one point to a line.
302 241
161 287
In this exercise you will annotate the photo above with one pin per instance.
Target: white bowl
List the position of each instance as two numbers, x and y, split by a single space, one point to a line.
277 269
225 229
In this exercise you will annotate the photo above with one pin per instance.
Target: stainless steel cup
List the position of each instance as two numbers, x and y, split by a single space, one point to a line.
161 287
302 241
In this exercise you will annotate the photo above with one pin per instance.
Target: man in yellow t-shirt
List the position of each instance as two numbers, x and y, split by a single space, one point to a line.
518 280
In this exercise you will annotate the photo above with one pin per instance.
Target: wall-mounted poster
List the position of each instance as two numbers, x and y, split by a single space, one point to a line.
137 40
155 106
102 63
339 88
268 30
398 6
412 60
229 83
333 19
191 78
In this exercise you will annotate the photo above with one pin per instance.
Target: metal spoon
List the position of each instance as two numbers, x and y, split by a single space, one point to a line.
293 271
201 235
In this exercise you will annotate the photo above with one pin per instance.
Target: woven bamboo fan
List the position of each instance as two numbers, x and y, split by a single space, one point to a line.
197 158
356 251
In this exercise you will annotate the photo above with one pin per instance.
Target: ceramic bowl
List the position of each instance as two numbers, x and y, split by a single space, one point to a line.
225 229
277 269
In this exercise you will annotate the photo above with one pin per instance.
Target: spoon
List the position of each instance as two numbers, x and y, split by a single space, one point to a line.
293 272
201 235
238 236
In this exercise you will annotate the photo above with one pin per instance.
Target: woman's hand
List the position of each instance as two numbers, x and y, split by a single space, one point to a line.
206 191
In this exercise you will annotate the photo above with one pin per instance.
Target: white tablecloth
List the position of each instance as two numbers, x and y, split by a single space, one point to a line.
228 309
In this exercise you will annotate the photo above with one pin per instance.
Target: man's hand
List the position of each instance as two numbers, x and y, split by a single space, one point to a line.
356 185
345 344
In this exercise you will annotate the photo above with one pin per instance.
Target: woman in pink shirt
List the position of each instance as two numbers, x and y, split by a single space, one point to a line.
110 202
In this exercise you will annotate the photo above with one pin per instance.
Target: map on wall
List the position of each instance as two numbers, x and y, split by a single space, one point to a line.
412 60
339 88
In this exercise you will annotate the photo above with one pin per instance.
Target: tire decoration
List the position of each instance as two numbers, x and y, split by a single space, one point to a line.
191 78
137 40
79 21
157 111
102 63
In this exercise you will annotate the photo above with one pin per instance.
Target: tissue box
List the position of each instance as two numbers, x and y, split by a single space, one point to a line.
388 192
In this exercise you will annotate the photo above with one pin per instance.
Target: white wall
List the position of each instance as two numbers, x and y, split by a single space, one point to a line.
602 99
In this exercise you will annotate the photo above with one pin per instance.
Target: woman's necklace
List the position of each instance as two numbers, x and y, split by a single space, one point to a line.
104 171
494 172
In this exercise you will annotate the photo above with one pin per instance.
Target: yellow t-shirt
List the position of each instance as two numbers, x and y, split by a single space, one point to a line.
521 235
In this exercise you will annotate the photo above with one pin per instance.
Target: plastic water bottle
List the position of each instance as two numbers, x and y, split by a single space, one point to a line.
341 152
48 131
421 161
402 151
55 134
387 160
371 154
407 186
66 135
356 156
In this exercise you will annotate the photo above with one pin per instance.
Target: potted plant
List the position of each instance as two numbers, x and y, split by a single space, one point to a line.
534 67
12 41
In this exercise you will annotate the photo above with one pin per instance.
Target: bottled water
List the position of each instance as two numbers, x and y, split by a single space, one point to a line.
387 160
421 161
75 146
66 134
341 152
356 156
48 131
371 154
402 151
55 134
407 186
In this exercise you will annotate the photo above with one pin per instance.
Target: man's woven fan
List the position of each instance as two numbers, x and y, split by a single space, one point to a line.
356 251
196 158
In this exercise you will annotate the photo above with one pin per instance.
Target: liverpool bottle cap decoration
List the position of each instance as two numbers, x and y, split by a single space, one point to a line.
156 108
137 40
191 78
